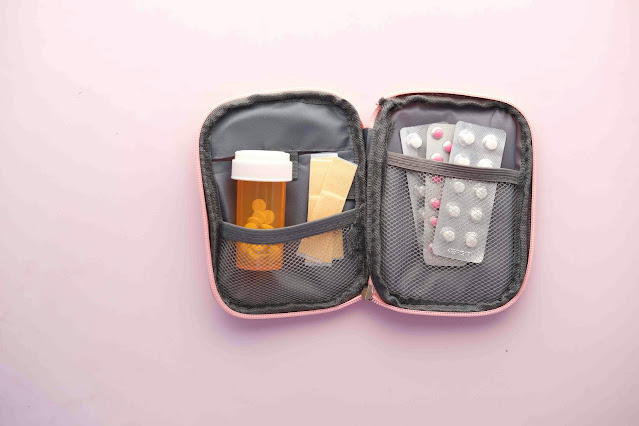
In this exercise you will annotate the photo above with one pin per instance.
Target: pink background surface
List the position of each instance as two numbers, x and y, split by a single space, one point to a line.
106 317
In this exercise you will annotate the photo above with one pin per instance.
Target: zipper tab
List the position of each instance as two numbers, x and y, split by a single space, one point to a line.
367 292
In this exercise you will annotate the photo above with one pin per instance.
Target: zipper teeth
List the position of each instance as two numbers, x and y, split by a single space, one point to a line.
371 120
378 301
289 90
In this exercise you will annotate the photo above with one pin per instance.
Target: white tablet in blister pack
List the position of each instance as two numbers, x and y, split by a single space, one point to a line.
466 206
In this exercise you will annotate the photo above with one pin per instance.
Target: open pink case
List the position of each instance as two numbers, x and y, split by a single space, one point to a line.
382 261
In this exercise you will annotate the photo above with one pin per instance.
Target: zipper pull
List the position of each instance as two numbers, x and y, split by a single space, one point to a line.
367 292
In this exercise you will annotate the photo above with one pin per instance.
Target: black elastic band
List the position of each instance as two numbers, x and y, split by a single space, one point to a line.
452 170
289 233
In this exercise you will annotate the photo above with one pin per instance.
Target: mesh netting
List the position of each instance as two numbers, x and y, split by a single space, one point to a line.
292 283
409 279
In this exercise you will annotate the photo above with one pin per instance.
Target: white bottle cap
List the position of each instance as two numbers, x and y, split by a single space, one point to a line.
262 166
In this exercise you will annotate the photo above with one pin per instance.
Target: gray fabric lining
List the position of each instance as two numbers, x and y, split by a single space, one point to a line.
452 170
418 114
385 130
300 122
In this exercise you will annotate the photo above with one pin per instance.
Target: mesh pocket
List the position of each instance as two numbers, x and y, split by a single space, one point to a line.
410 281
287 281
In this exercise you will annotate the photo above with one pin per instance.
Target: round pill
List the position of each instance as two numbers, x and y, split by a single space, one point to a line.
414 141
421 190
481 192
448 234
448 145
485 163
259 248
254 220
471 239
422 213
458 186
435 203
244 248
437 132
490 142
433 221
259 216
437 178
269 217
453 209
466 137
437 157
275 252
462 160
251 225
259 205
266 226
476 214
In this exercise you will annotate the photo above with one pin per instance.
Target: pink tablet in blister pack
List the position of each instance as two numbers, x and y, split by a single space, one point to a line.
439 138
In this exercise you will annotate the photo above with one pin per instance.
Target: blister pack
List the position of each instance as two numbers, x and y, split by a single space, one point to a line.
412 140
439 138
466 206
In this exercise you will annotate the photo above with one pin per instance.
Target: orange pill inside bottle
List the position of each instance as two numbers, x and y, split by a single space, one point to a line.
261 202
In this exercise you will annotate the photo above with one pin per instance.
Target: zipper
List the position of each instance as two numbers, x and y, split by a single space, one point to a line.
289 90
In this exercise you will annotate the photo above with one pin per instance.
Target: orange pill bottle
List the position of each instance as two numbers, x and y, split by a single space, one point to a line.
261 202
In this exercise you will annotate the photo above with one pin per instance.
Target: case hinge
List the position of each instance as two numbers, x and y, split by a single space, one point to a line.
367 133
367 292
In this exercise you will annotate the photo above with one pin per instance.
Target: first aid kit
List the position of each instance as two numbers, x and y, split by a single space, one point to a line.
427 209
